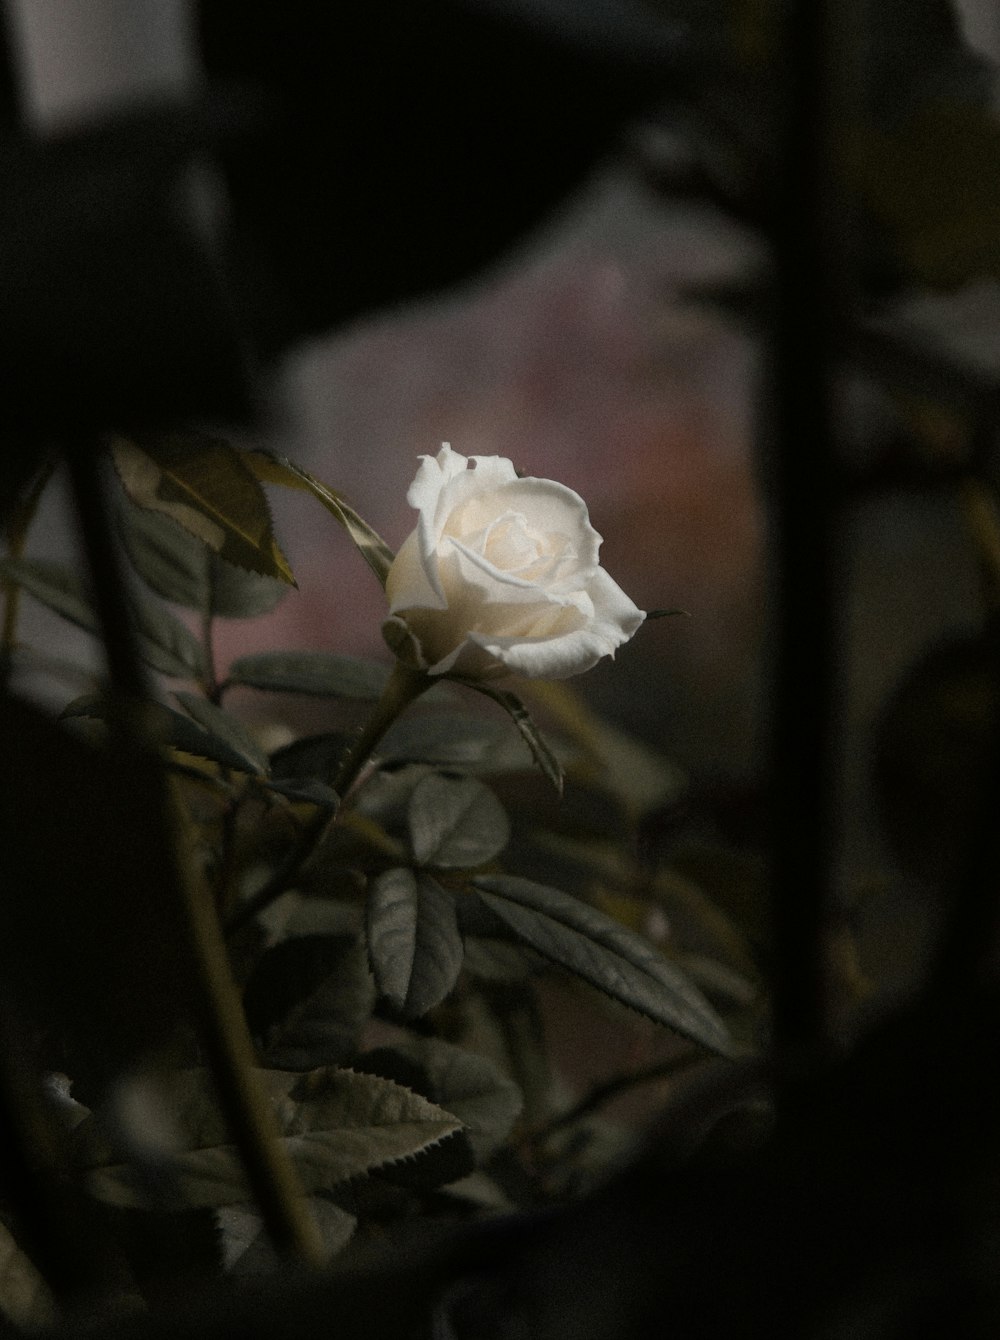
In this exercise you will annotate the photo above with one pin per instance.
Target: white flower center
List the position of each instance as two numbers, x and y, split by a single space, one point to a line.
510 545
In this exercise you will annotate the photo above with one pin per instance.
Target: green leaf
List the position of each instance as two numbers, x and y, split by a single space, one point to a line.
632 772
206 486
313 672
313 757
56 586
309 998
456 821
183 569
173 729
413 940
225 727
273 469
247 1250
334 1124
24 1296
452 741
164 642
167 644
603 952
472 1088
306 791
541 751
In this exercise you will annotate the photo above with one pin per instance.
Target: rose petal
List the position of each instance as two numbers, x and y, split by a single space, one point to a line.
502 575
413 580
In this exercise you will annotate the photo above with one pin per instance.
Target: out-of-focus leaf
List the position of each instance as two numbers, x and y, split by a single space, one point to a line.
413 940
314 756
386 796
627 768
55 585
497 960
25 1299
164 642
306 791
541 750
456 821
167 644
615 960
335 1124
247 1249
182 568
273 469
225 727
309 998
174 729
465 742
934 183
313 672
205 485
469 1086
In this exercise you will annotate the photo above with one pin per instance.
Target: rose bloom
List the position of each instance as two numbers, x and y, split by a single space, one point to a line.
501 576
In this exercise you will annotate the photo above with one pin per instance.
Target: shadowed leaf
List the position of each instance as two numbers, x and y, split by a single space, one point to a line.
603 952
173 729
25 1299
413 940
541 751
224 726
471 1087
247 1249
273 469
205 485
335 1124
164 642
313 672
314 756
309 998
456 821
468 743
182 568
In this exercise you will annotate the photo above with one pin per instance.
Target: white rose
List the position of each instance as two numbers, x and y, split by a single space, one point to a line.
501 575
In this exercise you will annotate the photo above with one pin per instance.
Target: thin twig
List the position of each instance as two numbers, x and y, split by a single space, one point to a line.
403 687
614 1088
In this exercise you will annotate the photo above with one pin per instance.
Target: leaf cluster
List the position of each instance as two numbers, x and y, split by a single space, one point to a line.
388 942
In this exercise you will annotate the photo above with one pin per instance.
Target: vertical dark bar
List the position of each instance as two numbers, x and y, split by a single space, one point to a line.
805 669
227 1045
968 958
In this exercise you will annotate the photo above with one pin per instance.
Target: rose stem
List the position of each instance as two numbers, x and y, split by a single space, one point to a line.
404 685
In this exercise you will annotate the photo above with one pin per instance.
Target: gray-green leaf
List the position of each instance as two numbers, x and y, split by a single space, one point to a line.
455 822
471 1087
164 642
313 672
334 1124
225 727
413 940
183 569
603 952
451 741
173 729
25 1299
541 750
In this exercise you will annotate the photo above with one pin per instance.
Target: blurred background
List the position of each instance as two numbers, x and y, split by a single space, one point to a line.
569 342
